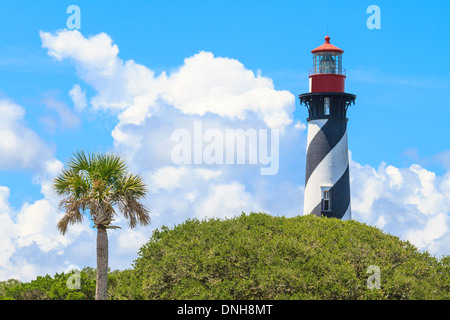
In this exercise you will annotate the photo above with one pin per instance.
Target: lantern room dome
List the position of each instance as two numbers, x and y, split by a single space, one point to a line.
327 46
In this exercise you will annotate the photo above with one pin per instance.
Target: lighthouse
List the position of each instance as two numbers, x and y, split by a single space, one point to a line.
327 180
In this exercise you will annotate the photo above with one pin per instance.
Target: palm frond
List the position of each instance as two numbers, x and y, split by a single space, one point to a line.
134 212
130 190
97 183
71 183
110 167
73 212
80 162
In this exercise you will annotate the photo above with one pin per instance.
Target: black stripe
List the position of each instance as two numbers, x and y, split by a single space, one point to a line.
340 196
322 143
317 210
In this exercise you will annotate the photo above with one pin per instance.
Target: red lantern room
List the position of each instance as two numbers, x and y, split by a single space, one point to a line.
327 74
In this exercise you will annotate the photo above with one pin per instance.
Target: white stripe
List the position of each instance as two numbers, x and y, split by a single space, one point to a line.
348 214
327 173
314 127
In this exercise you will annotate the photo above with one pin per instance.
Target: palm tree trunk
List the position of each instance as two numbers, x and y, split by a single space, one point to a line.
102 264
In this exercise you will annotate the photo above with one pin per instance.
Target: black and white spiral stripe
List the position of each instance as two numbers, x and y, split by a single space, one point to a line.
327 165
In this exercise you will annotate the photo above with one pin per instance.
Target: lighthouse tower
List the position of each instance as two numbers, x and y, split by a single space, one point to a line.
327 181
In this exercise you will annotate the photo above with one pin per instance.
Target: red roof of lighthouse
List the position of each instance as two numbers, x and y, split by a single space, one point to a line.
327 46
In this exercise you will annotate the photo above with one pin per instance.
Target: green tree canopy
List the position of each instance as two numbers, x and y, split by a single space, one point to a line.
259 256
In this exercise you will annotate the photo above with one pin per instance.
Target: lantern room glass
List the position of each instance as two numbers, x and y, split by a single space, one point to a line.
327 62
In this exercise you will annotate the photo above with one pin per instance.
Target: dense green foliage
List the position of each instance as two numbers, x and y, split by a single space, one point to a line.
258 256
48 288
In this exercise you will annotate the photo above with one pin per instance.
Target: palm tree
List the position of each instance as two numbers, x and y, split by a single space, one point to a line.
97 184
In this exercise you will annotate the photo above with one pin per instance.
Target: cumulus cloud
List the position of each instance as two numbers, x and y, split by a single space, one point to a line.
28 233
36 223
172 177
225 87
7 227
129 241
97 64
31 243
20 146
96 53
203 84
412 203
237 200
33 224
434 229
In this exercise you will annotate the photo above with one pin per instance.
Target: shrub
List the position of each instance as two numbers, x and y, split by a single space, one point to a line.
258 256
48 288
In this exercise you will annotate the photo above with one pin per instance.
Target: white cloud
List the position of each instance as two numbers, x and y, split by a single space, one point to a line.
366 186
435 228
381 222
4 196
225 201
36 223
426 196
172 177
225 87
167 178
117 83
20 147
31 244
29 232
30 241
97 52
205 83
300 126
129 240
412 203
395 176
7 227
207 174
78 97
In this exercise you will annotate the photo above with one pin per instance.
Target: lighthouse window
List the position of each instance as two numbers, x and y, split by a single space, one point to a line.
326 106
327 63
326 200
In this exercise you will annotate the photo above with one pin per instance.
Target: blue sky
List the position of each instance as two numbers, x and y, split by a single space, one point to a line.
163 58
